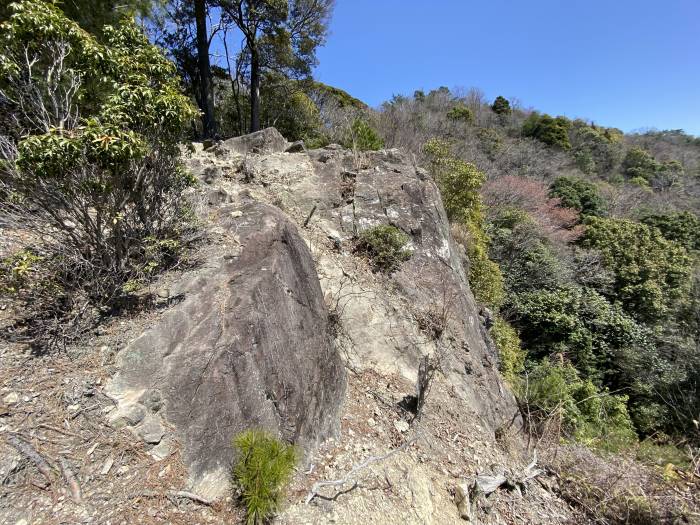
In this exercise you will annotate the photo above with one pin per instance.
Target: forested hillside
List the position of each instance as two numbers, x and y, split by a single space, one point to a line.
518 261
596 236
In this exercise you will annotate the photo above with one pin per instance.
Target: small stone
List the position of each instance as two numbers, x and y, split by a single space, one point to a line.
123 470
401 425
237 213
161 451
11 398
371 422
130 415
150 430
462 501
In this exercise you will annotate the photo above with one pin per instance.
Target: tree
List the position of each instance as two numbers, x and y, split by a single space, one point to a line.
501 106
279 36
205 87
461 113
651 273
578 194
551 131
682 227
639 163
93 15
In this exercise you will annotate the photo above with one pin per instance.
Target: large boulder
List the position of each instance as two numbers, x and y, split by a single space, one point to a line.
247 346
267 140
424 308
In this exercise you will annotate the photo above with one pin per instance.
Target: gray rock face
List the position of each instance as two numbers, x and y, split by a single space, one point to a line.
429 294
249 346
267 140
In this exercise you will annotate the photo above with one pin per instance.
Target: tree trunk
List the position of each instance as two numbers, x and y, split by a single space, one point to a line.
254 90
206 94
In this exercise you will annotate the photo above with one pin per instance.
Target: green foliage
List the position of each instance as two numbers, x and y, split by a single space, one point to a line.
293 113
98 173
501 106
577 322
596 150
263 468
578 194
651 273
461 113
16 271
554 389
385 246
639 163
490 142
528 261
459 184
682 227
363 137
510 351
551 131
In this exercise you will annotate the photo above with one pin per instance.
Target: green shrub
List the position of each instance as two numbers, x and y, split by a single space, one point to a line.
651 273
683 228
578 194
554 390
98 174
551 131
640 164
385 246
363 137
578 322
459 184
461 113
510 351
263 468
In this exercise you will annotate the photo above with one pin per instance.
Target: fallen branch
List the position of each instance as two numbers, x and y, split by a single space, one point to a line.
353 473
175 494
29 452
72 481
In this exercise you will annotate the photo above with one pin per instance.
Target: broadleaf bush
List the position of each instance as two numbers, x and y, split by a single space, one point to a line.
89 156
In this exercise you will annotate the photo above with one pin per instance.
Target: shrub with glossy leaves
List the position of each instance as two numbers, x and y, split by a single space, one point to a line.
682 227
459 184
555 391
461 113
264 465
90 153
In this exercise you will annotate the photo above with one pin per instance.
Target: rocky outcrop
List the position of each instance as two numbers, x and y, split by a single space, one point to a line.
247 346
388 323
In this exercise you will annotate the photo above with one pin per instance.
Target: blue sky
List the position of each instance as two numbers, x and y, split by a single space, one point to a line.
626 63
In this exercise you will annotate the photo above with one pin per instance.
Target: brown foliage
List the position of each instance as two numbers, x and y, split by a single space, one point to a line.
557 224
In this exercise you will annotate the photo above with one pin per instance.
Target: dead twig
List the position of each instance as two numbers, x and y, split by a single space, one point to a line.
75 491
175 494
29 452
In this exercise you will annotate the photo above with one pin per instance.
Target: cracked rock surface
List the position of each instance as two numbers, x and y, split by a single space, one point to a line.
249 346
